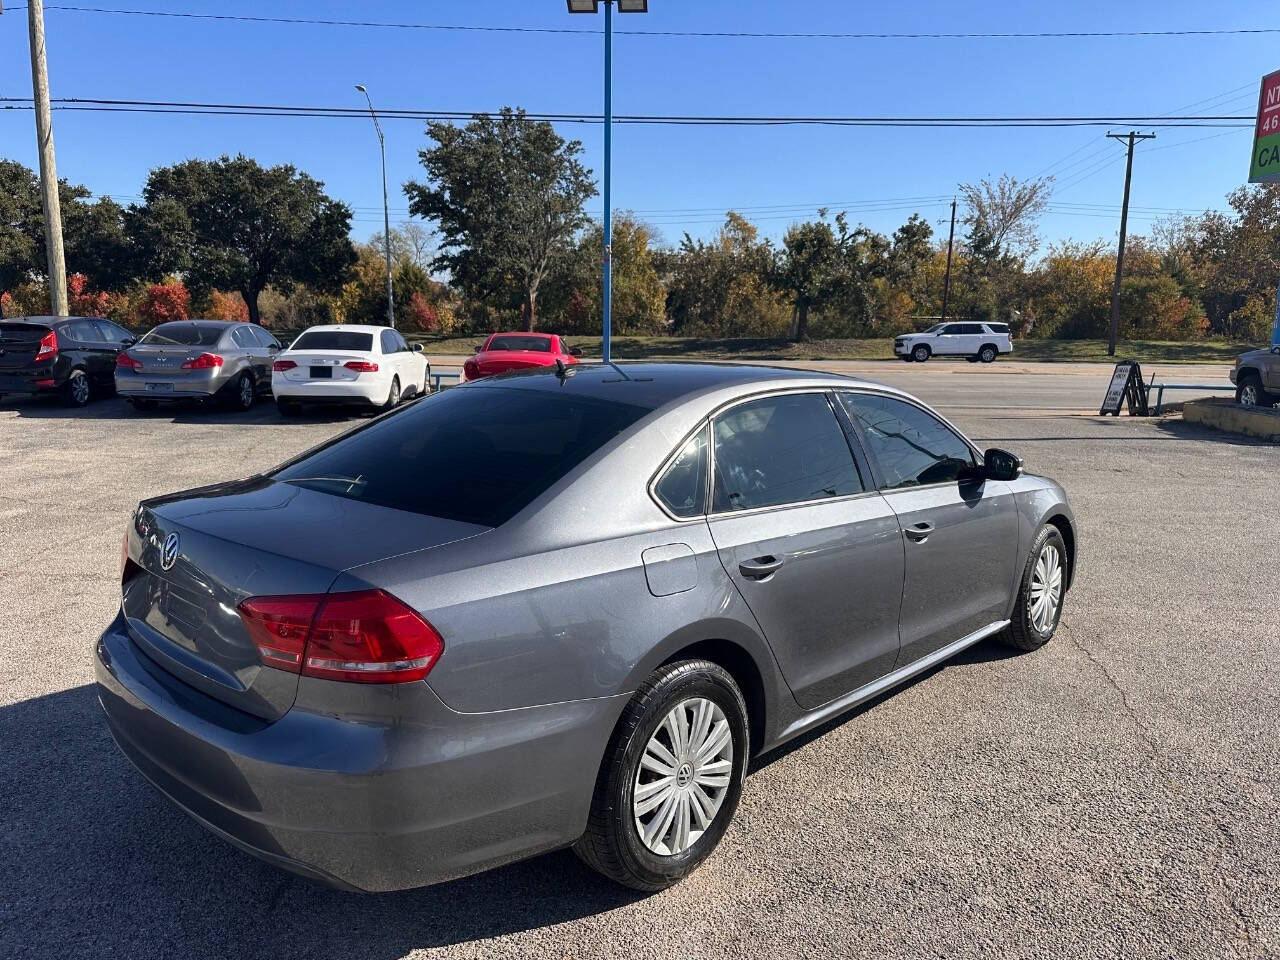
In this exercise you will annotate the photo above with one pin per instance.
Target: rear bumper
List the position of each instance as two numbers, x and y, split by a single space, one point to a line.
360 803
196 385
366 390
37 380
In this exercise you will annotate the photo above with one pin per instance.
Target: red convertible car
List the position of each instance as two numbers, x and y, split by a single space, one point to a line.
504 352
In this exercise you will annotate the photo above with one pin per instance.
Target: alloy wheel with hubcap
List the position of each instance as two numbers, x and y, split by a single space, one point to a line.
671 777
77 389
244 392
683 777
987 354
1043 589
393 395
920 354
1249 393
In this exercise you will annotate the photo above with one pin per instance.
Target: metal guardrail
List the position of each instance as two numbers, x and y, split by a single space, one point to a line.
437 380
1160 388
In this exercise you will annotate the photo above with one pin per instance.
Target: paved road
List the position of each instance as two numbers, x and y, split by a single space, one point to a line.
1115 794
1005 389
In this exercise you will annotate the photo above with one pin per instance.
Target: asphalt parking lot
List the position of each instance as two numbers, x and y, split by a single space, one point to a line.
1115 794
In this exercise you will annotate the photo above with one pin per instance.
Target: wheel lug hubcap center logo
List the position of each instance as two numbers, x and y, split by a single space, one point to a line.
684 775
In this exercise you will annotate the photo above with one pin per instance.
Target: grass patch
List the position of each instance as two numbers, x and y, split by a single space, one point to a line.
700 348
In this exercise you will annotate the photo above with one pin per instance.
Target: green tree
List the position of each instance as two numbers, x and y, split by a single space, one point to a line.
233 224
507 193
827 266
639 299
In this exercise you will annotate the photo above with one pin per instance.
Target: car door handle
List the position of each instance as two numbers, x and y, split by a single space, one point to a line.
919 532
760 568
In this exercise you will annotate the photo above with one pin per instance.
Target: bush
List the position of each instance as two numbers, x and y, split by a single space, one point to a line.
226 306
165 302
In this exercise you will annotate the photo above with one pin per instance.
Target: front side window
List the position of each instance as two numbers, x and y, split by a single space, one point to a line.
479 455
783 449
682 488
912 447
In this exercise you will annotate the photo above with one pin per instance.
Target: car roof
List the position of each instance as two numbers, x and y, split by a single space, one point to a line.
202 322
349 327
659 384
45 321
523 333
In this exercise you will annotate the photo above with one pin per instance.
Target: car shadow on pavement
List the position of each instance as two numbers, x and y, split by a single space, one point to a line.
990 650
98 863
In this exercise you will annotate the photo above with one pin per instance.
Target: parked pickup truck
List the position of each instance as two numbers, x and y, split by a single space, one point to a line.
973 341
1257 377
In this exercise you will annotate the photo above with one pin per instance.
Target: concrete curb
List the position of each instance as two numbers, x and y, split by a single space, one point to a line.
1228 416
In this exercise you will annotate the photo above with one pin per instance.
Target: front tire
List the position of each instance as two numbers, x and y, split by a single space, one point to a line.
671 777
1043 590
76 392
921 353
1249 392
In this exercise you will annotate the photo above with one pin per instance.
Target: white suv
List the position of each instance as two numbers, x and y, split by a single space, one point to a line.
974 341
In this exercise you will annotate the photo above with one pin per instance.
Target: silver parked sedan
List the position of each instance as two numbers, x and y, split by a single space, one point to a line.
559 608
198 360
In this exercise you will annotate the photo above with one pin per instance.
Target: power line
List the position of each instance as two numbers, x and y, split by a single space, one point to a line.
100 105
719 34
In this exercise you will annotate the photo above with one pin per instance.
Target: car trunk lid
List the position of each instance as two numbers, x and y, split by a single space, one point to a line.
163 358
195 557
322 365
504 361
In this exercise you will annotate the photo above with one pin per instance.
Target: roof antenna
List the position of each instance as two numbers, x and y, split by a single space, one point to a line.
618 370
562 370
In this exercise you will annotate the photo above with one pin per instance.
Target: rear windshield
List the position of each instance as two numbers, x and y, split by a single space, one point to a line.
536 344
476 454
333 340
23 331
185 334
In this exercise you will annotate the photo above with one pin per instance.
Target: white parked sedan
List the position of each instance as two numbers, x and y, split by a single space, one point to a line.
349 364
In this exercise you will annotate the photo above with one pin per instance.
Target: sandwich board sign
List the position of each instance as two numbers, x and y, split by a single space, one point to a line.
1126 386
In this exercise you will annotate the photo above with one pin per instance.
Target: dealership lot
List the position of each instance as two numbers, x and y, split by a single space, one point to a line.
1114 794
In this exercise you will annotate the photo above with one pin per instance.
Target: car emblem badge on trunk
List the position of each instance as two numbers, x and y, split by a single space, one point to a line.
169 555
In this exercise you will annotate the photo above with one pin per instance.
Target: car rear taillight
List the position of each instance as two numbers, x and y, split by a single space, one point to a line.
361 366
470 369
206 361
48 348
363 637
128 362
282 365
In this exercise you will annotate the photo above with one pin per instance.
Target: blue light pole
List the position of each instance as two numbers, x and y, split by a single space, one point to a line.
593 6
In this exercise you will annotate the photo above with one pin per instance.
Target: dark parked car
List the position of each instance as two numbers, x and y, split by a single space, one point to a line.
71 356
559 608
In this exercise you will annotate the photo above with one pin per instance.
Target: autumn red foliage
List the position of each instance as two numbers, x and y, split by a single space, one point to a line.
227 306
84 302
424 314
164 302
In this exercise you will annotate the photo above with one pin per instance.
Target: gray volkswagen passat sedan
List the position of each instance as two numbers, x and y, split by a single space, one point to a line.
559 609
198 360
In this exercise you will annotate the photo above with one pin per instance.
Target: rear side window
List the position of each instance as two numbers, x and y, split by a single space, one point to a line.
912 447
185 334
535 344
682 488
479 454
81 331
111 332
998 327
243 337
334 340
784 449
388 340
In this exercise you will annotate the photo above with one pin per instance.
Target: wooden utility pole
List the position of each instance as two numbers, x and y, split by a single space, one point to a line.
1131 136
48 168
946 283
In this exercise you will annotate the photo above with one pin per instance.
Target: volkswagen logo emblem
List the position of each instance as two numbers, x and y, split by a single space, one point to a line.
169 554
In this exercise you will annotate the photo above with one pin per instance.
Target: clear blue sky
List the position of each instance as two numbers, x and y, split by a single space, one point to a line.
679 178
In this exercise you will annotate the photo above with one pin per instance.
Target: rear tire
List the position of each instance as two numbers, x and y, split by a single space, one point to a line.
988 354
393 395
1035 616
76 392
921 354
243 393
701 699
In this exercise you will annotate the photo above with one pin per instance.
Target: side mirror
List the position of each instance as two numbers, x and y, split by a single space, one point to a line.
479 347
1000 464
273 348
129 341
417 348
575 351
